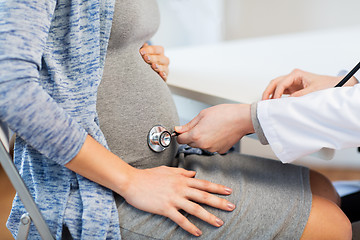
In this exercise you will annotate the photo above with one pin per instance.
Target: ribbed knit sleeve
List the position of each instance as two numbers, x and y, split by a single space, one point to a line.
24 104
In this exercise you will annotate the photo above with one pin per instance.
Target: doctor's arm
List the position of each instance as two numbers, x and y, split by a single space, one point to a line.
294 126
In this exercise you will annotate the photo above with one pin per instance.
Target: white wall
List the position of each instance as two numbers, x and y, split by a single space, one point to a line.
253 18
189 22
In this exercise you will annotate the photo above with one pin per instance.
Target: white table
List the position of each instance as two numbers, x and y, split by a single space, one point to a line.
238 72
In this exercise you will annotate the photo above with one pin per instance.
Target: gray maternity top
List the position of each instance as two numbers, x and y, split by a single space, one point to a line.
273 200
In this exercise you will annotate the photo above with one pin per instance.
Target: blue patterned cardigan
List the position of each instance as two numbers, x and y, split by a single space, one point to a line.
51 61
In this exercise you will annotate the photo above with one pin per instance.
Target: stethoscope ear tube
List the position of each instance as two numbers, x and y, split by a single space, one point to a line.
348 76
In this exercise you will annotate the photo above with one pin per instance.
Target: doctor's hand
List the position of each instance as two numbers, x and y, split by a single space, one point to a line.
165 190
299 83
218 128
154 55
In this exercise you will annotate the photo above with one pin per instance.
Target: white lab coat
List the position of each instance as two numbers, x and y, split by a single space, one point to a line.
298 126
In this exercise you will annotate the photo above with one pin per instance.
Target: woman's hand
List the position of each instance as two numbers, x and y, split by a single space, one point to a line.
154 55
161 190
299 83
165 191
217 128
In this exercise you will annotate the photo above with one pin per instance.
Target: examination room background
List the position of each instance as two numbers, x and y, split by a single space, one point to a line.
190 23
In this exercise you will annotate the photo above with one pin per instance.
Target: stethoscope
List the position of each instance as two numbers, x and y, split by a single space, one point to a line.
159 138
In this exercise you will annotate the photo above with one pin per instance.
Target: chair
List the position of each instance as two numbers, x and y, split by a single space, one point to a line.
34 214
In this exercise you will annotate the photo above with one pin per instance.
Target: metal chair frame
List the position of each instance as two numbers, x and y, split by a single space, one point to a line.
34 214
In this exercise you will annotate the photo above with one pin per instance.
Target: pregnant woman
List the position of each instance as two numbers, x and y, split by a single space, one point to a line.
272 200
52 57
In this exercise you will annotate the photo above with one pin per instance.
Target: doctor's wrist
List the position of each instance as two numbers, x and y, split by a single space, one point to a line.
249 125
256 124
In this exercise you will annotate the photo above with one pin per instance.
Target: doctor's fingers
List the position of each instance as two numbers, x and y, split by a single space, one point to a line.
302 92
284 87
287 84
190 125
270 89
193 138
185 138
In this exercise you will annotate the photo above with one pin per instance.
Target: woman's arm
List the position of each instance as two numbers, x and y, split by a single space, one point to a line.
24 105
34 115
161 190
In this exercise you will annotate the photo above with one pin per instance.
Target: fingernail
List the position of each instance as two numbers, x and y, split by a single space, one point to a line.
198 232
156 66
148 58
164 74
231 206
228 190
142 52
219 222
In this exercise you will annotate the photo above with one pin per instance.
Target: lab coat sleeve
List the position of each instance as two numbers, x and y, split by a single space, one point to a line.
357 76
256 124
298 126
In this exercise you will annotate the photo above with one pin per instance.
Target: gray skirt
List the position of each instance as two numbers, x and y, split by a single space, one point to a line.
273 201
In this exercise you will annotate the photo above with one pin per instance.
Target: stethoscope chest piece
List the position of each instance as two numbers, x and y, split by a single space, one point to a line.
159 138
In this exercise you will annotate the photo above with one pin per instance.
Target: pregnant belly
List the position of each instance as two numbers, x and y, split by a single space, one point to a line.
132 98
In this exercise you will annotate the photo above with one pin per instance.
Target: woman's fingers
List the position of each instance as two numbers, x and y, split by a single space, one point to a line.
201 191
209 186
152 50
184 172
163 70
158 59
209 199
198 192
199 212
166 190
154 55
183 222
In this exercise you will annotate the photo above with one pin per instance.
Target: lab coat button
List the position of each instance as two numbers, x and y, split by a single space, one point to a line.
277 147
